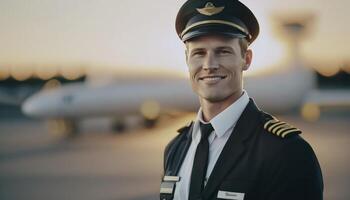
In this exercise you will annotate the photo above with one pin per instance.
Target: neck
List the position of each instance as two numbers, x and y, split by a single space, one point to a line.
211 109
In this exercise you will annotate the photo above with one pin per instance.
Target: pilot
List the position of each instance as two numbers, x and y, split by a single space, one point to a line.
232 150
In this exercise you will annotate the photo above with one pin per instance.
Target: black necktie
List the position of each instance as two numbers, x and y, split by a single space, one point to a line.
200 163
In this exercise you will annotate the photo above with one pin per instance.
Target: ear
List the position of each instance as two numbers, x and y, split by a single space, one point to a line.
248 59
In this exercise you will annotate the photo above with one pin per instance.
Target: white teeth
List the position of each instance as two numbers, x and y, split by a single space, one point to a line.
212 78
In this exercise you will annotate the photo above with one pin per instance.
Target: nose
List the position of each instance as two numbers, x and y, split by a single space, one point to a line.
210 62
39 105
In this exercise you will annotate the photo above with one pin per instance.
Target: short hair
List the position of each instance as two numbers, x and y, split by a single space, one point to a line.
243 43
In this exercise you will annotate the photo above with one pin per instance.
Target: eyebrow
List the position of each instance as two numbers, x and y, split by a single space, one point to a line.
198 49
225 48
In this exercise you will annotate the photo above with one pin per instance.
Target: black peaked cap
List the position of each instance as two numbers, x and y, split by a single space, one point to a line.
229 17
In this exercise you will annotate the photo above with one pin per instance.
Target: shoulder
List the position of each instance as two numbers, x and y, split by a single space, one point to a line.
279 137
282 142
181 133
288 161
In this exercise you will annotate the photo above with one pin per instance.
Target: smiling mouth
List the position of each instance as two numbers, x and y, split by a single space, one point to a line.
212 78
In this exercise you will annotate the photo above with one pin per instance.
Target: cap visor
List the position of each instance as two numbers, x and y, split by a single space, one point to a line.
198 33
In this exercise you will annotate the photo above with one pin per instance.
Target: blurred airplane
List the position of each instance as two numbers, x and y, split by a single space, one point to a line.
283 89
118 99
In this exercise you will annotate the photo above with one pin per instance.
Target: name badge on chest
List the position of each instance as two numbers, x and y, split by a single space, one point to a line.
167 187
230 195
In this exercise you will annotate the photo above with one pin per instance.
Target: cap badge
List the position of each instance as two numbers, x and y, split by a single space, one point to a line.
210 9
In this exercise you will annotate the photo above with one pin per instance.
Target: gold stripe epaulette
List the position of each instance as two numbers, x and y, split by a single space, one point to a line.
281 129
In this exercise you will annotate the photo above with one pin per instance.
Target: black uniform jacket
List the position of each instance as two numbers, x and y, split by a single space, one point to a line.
255 162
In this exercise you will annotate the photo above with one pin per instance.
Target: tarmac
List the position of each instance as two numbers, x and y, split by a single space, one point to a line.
37 164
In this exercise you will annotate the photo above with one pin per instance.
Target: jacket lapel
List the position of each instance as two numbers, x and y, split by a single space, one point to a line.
234 148
180 150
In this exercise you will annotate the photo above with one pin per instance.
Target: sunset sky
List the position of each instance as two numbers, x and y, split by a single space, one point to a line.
113 34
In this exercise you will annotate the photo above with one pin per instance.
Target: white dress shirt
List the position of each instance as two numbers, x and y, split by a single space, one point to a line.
223 125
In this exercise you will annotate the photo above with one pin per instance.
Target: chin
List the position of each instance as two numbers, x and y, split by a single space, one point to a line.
214 98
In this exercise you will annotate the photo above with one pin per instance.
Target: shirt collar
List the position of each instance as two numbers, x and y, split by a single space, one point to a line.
226 119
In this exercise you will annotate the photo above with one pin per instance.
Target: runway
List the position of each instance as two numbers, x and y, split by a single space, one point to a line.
35 164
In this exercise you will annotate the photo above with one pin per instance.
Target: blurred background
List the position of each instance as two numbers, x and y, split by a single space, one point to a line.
91 91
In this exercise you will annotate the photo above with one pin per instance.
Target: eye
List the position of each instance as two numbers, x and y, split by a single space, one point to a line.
224 52
197 53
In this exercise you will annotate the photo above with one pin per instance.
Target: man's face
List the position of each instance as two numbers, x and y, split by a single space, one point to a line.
216 65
